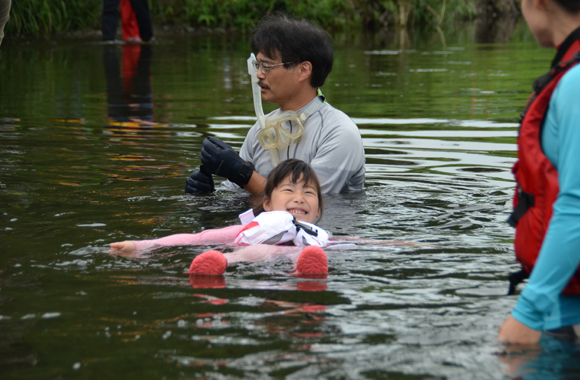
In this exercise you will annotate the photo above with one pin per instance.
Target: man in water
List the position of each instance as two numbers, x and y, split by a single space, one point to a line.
293 60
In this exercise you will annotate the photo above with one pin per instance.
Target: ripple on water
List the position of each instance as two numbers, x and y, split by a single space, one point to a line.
421 297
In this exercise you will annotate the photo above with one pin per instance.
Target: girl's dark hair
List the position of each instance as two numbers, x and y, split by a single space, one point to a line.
572 6
296 41
299 170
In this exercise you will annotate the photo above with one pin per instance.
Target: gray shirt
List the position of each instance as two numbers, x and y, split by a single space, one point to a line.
331 144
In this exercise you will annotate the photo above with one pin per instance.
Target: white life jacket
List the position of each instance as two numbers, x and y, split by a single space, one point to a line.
279 227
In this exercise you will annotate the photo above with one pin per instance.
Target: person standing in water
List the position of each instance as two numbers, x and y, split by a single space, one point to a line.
293 59
547 202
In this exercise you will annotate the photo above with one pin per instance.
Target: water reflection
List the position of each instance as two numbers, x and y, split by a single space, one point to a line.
129 96
495 29
556 359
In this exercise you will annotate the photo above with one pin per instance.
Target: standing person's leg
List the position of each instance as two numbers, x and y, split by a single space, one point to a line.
109 19
141 9
129 23
4 15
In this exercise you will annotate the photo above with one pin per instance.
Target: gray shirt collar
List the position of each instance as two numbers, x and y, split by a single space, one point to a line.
312 107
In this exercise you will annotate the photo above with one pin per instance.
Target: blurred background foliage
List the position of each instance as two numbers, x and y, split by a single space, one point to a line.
45 17
48 17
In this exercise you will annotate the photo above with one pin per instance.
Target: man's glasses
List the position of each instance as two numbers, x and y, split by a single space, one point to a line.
265 67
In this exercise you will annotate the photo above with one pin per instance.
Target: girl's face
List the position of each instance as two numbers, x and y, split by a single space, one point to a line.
299 199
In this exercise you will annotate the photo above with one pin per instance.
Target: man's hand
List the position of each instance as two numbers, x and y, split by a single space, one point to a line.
513 331
220 159
200 182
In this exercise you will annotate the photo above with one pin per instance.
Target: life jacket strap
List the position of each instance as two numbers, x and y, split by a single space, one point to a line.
525 201
306 228
544 80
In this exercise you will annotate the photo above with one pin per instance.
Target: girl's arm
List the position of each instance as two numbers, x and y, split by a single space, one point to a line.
214 236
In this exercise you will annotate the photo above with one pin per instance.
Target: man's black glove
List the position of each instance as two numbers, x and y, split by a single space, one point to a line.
200 182
220 159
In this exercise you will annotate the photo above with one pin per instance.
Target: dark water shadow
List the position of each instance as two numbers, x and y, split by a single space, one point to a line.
495 29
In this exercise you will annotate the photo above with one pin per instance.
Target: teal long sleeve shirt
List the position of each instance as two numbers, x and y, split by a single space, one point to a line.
541 306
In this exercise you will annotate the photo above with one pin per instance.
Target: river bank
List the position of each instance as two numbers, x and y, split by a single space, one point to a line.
486 30
33 18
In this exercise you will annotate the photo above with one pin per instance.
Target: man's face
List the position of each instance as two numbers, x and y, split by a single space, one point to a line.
279 85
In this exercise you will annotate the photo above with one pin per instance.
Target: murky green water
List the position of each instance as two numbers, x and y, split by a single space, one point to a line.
88 158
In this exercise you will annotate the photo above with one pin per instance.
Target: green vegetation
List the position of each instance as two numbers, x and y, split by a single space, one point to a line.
243 15
45 17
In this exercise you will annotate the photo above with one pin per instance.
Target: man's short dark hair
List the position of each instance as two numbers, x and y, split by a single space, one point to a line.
297 41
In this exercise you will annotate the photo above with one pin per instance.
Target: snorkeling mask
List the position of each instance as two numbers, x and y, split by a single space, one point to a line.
272 135
275 136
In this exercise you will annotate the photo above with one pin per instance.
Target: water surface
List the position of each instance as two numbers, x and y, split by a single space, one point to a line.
96 142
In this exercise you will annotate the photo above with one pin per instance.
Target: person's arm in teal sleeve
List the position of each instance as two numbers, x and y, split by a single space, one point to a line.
560 253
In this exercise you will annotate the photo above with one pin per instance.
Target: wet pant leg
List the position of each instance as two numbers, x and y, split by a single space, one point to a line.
141 9
4 14
109 19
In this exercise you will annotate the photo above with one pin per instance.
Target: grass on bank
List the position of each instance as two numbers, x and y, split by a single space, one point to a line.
47 17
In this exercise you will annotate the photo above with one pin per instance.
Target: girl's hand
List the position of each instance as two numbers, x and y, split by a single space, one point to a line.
124 246
513 331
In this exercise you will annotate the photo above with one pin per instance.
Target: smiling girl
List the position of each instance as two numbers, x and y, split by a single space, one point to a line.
292 202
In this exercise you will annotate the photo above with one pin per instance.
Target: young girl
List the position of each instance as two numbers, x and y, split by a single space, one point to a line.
292 202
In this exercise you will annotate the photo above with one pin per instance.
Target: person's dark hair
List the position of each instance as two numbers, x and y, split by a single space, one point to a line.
296 41
572 6
299 170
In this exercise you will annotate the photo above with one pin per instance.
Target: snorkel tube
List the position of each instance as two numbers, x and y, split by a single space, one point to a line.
256 91
272 135
253 71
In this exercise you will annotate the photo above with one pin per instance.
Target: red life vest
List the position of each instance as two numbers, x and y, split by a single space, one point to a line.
537 179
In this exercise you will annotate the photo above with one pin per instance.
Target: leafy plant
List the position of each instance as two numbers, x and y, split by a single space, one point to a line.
38 17
41 17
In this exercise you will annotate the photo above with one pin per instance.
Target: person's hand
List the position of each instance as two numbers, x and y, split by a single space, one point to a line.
124 246
513 331
220 159
200 182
